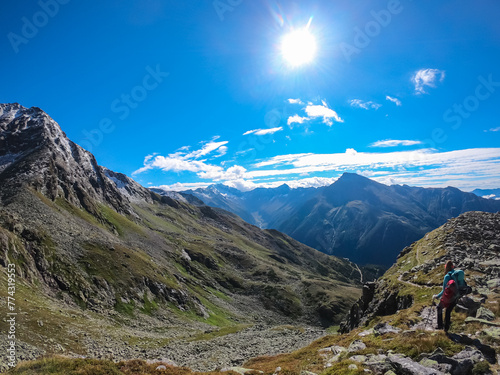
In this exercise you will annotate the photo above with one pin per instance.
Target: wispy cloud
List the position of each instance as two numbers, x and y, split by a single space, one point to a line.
328 114
180 186
395 143
264 131
427 77
394 100
358 103
493 130
295 101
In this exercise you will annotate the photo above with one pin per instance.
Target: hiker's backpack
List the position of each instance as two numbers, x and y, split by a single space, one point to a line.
450 294
455 288
459 277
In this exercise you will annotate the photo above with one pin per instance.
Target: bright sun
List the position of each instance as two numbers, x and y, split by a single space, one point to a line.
298 47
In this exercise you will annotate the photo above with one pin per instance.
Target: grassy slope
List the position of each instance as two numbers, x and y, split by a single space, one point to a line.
113 253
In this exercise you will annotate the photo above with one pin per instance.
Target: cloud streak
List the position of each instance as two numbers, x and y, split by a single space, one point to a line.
493 130
264 131
395 143
394 100
357 103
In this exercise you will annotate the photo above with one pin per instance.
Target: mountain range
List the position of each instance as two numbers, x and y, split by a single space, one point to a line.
355 217
106 265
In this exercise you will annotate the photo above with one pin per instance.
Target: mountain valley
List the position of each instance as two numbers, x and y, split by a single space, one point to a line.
355 217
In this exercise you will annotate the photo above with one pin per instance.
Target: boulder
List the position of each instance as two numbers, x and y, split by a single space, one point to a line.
470 319
466 360
484 313
378 363
406 366
337 351
383 328
356 346
493 332
469 305
494 283
240 370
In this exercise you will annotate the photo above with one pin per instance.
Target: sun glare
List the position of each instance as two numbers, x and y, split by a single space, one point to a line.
299 47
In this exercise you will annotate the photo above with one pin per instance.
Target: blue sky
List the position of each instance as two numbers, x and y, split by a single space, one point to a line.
184 94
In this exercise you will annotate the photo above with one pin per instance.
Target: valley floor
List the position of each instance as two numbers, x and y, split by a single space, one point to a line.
202 351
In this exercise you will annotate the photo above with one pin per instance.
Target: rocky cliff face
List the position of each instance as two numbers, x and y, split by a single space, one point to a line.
35 152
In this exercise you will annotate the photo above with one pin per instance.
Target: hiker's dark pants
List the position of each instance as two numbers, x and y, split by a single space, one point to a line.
447 315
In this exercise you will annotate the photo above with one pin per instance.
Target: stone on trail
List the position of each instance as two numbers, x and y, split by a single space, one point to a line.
356 346
405 366
383 328
239 370
486 314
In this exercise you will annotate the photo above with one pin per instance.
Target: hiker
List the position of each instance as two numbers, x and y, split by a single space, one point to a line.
449 295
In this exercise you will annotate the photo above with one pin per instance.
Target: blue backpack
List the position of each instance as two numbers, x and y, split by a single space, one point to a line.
459 277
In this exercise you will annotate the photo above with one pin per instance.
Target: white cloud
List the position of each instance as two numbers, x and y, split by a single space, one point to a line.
264 131
179 186
395 143
221 151
394 100
314 111
206 149
427 77
365 105
219 174
296 119
189 162
323 111
493 130
295 101
351 151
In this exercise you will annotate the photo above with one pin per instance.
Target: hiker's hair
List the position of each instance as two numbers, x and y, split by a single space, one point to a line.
449 266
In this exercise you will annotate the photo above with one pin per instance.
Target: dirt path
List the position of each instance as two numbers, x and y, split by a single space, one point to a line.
360 274
413 284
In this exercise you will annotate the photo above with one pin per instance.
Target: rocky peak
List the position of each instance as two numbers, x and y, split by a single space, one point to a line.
35 152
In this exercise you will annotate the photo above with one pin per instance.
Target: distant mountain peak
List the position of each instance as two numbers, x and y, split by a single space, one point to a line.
283 188
354 177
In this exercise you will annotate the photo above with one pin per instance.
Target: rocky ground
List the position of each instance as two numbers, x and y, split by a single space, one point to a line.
200 353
